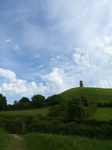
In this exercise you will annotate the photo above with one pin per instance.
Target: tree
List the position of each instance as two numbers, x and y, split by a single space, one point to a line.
37 101
15 102
75 108
24 99
3 102
55 100
60 110
84 100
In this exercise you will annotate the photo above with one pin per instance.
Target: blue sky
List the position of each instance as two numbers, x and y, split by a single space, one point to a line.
47 46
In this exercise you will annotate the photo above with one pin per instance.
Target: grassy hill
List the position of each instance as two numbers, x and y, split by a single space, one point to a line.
92 94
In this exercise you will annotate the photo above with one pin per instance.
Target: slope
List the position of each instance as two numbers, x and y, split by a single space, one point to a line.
92 94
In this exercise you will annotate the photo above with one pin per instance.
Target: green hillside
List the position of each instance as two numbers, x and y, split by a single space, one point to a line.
92 94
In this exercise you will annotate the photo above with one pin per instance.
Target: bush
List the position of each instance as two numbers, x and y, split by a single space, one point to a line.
13 126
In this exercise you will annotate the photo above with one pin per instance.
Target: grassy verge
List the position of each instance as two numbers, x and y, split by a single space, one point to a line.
102 114
8 142
38 141
42 111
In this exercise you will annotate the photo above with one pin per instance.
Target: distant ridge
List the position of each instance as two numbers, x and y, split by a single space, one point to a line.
92 94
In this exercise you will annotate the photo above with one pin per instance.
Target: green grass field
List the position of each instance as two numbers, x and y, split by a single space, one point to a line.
102 114
37 141
92 94
8 142
42 111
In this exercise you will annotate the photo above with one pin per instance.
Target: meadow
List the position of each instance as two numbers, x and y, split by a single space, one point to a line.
41 111
102 114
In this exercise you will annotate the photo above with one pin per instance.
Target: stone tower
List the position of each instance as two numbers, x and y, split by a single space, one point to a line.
81 83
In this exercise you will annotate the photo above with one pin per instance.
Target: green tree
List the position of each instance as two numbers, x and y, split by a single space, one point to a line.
15 102
3 102
60 110
54 100
75 108
84 100
24 99
37 101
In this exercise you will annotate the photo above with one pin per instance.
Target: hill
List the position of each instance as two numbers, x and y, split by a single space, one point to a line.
92 94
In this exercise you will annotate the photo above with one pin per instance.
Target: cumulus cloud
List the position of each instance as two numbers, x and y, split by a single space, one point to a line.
15 86
58 80
8 74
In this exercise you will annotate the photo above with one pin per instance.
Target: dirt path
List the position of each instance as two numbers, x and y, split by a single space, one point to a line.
16 136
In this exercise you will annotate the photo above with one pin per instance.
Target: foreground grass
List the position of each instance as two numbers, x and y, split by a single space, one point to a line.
36 141
102 114
8 142
42 111
92 94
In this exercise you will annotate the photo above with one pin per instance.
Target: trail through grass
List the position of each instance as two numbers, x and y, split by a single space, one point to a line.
8 142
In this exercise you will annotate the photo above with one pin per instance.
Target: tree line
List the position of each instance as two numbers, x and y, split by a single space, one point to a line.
37 101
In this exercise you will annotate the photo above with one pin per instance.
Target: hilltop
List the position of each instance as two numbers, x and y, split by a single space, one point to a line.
92 94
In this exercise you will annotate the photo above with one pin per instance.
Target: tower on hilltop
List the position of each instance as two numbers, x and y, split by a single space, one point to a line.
81 83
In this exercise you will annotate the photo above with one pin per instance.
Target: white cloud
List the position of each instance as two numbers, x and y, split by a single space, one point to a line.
37 56
76 58
58 80
41 66
108 39
8 74
105 83
16 47
8 40
81 58
20 87
58 57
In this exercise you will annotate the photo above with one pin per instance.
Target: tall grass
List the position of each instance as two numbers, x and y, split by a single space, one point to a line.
36 141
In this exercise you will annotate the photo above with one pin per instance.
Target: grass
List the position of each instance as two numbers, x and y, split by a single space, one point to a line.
38 141
34 141
8 142
92 94
42 111
102 114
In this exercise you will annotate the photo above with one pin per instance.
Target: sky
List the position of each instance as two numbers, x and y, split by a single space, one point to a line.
48 46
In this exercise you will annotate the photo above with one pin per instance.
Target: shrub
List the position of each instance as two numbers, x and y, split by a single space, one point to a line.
13 126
